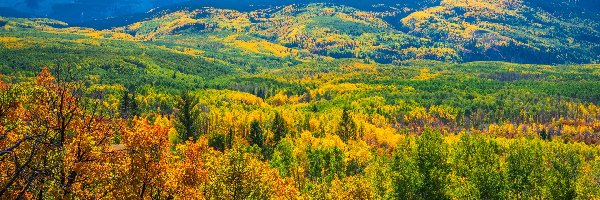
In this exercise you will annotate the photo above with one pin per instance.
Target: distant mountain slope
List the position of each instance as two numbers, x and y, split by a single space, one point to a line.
447 30
507 30
549 32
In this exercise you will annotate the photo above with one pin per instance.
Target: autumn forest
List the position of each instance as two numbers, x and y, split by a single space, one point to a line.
436 99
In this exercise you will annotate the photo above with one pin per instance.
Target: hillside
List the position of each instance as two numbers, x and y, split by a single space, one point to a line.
456 31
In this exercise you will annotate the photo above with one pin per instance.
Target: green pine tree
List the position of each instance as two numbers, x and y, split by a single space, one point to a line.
347 126
124 105
187 117
278 127
256 136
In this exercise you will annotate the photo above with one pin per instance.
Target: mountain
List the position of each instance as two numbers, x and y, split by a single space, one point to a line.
457 31
547 32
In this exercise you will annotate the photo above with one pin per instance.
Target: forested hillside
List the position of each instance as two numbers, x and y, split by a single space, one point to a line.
548 32
456 31
440 99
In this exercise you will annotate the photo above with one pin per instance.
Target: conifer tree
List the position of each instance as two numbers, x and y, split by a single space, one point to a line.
187 117
278 127
124 105
133 106
256 136
347 126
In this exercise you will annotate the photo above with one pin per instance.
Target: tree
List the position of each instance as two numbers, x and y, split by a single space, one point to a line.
186 174
407 179
134 109
587 185
380 174
128 106
217 141
352 187
347 126
525 169
124 105
431 160
325 164
186 117
283 157
479 161
143 169
240 175
314 108
51 146
563 162
256 136
278 128
230 138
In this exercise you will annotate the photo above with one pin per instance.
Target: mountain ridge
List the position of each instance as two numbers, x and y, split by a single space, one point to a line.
453 32
445 30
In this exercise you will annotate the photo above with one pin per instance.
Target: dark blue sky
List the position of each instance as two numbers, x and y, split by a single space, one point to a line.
79 10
